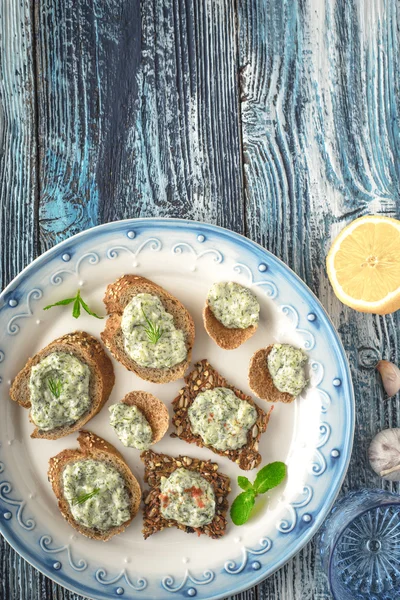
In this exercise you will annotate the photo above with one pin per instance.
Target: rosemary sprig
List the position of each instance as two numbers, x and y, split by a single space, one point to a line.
76 309
84 497
153 332
55 387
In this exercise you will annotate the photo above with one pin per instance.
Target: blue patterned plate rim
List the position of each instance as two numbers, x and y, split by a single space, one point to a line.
260 572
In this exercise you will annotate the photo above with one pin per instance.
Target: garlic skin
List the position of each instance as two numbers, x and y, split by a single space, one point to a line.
390 374
384 454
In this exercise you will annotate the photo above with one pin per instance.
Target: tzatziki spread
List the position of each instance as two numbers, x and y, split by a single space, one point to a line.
96 493
150 336
188 498
131 426
233 305
221 419
59 390
286 366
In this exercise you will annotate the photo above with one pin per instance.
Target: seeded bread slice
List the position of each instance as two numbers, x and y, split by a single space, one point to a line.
260 380
95 448
89 351
205 377
162 465
226 338
153 409
118 295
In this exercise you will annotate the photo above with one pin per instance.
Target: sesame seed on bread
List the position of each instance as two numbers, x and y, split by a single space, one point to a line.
260 380
90 352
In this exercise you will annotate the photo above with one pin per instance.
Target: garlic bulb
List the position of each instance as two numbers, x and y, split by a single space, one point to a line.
390 374
384 454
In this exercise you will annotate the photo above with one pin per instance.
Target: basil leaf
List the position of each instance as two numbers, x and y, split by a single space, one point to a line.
60 303
244 483
269 477
242 506
76 311
87 309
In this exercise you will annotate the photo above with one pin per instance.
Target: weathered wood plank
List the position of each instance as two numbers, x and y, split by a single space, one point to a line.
320 112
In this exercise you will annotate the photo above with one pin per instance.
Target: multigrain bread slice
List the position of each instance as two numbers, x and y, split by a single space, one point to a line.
89 351
162 465
95 448
260 380
153 409
226 338
205 377
118 295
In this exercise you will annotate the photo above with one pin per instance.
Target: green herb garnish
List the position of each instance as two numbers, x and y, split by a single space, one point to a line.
76 309
84 497
55 386
153 332
267 478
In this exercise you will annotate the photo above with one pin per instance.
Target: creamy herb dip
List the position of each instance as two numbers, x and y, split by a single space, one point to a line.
221 419
285 364
168 350
131 426
188 498
233 305
59 390
109 507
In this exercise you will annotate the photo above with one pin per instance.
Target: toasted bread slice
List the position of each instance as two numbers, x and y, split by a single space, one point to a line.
89 351
226 338
94 448
153 409
162 465
205 377
118 295
260 380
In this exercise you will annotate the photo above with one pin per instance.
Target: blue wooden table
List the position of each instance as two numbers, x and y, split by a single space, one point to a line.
278 119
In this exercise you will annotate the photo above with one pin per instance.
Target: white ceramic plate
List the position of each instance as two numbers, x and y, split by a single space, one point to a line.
313 435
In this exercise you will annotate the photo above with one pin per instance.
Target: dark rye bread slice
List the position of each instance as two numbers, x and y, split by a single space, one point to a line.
205 377
162 465
260 380
118 295
93 447
226 338
88 350
153 409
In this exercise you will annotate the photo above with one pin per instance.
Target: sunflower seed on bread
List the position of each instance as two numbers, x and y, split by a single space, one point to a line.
205 377
117 297
90 352
162 465
260 380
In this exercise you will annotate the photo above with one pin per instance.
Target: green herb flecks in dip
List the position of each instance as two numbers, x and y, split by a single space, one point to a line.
131 426
187 498
109 506
141 344
221 419
233 305
59 390
286 366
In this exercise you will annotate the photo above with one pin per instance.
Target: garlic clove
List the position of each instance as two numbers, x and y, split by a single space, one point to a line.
384 454
390 374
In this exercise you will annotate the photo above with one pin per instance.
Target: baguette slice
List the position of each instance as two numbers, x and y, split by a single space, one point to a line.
260 380
95 448
118 295
162 465
205 377
88 350
225 338
153 409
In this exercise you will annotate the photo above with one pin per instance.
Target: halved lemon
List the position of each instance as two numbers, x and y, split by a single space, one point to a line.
364 265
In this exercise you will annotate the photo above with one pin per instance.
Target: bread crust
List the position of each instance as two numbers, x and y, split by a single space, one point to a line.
205 377
153 409
162 465
117 296
225 338
89 351
260 380
92 447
